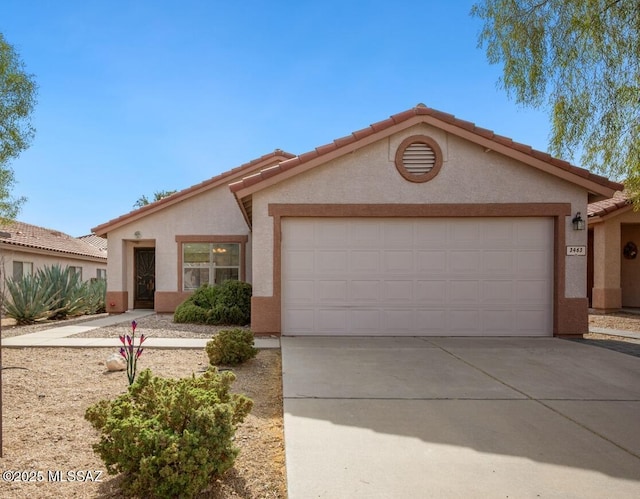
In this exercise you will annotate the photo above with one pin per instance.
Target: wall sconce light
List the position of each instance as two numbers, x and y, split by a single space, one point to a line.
137 234
578 223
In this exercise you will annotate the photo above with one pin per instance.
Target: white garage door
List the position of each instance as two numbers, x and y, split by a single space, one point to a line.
412 277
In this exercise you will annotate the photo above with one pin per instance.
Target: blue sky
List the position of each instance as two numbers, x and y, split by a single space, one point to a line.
146 95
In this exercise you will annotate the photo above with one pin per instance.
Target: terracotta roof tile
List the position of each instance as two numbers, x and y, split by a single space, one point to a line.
421 109
31 236
277 156
602 208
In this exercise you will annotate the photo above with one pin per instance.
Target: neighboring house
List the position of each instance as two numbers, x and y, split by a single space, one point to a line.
29 248
421 224
614 264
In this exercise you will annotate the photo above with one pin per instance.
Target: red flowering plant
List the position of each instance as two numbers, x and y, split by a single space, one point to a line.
131 352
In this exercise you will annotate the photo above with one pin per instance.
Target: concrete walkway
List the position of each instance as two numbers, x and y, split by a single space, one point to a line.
62 336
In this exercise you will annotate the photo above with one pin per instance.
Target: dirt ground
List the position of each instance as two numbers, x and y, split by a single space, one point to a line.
46 391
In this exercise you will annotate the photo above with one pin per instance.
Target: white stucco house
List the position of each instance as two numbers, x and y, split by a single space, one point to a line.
420 224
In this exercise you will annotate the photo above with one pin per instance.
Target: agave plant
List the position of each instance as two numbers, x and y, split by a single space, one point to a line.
95 296
67 288
30 300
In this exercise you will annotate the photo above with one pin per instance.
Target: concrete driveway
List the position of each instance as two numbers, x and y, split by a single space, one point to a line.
459 417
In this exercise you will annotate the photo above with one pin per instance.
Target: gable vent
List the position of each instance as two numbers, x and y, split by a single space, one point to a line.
418 159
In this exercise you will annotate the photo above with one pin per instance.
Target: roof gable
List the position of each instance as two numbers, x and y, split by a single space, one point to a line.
596 185
222 179
29 236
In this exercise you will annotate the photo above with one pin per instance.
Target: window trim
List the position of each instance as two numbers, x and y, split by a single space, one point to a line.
230 239
418 139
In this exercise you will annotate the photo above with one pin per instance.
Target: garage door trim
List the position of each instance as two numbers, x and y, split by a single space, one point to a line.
566 316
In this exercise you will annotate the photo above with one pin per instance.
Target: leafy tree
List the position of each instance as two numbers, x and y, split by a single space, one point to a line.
157 196
17 100
579 60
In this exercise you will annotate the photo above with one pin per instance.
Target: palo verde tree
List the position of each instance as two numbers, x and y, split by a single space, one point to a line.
17 100
580 61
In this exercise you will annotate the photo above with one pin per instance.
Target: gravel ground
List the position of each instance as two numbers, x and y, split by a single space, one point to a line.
46 391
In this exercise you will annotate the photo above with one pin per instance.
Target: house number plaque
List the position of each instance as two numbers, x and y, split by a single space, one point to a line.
576 251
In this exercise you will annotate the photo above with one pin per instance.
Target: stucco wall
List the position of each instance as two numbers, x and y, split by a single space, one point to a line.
469 175
41 259
214 212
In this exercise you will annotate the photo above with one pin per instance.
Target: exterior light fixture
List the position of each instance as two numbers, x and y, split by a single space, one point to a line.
578 223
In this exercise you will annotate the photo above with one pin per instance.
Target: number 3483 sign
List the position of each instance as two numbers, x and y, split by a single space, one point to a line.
576 251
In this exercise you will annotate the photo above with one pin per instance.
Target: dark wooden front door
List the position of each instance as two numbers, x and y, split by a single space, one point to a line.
145 277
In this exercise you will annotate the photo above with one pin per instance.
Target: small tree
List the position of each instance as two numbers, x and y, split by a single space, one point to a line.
579 61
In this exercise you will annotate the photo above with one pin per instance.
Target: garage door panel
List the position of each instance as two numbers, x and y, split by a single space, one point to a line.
301 320
497 292
444 276
331 234
332 320
497 322
366 321
465 232
533 292
397 261
300 262
334 291
302 292
364 262
463 292
367 291
464 322
397 235
498 261
399 321
530 321
431 292
532 262
332 261
431 321
398 291
464 262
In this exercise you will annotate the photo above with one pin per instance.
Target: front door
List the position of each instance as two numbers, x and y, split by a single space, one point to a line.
145 277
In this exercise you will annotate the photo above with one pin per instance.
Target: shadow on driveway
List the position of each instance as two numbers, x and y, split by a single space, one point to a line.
463 417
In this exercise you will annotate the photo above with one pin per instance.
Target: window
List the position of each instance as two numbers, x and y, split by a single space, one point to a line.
101 274
209 263
76 270
21 269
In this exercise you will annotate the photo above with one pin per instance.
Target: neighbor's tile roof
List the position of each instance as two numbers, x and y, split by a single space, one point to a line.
396 119
602 208
31 236
97 241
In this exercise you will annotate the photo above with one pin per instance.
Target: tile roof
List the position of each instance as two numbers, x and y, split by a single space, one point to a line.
31 236
437 118
601 208
97 241
271 158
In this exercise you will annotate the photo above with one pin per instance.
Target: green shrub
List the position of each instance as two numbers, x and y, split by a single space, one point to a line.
226 304
30 301
189 313
170 437
230 347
